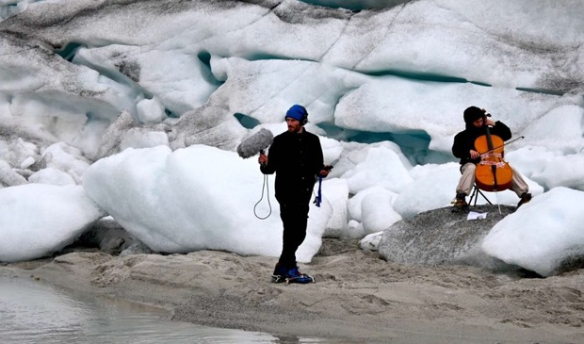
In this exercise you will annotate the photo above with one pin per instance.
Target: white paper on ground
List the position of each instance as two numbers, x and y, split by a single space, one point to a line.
473 215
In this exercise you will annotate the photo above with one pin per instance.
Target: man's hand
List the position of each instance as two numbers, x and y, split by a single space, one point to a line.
474 154
488 121
263 159
325 171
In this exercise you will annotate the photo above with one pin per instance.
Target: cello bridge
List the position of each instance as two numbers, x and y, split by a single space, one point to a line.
493 163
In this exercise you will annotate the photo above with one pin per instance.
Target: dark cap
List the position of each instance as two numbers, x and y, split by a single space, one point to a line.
473 113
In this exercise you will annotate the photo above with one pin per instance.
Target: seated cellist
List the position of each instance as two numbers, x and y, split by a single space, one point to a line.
476 121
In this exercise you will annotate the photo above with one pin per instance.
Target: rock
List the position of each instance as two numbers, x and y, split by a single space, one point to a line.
107 235
440 236
136 248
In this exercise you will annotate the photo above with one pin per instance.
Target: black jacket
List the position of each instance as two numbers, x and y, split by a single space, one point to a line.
464 141
297 160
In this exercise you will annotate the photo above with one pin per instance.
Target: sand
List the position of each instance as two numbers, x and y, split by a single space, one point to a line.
357 297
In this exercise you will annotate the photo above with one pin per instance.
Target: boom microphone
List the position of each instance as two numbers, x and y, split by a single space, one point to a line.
255 143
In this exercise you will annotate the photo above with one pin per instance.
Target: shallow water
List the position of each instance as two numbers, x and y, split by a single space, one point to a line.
34 312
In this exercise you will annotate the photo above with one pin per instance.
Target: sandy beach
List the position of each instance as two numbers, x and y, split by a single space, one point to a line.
357 297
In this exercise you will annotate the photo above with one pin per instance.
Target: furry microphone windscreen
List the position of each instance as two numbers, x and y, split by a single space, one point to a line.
255 143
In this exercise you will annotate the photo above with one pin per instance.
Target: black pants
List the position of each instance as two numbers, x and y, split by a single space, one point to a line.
294 216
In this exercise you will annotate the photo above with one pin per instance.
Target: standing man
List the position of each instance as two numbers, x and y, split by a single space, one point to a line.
476 121
296 157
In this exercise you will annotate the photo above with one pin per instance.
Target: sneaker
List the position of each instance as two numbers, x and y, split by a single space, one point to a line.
278 279
280 274
525 198
459 201
295 276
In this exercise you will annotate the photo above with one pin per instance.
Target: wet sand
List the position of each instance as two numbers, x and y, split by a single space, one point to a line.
357 297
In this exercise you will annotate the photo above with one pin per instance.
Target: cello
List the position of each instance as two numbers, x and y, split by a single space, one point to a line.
493 173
